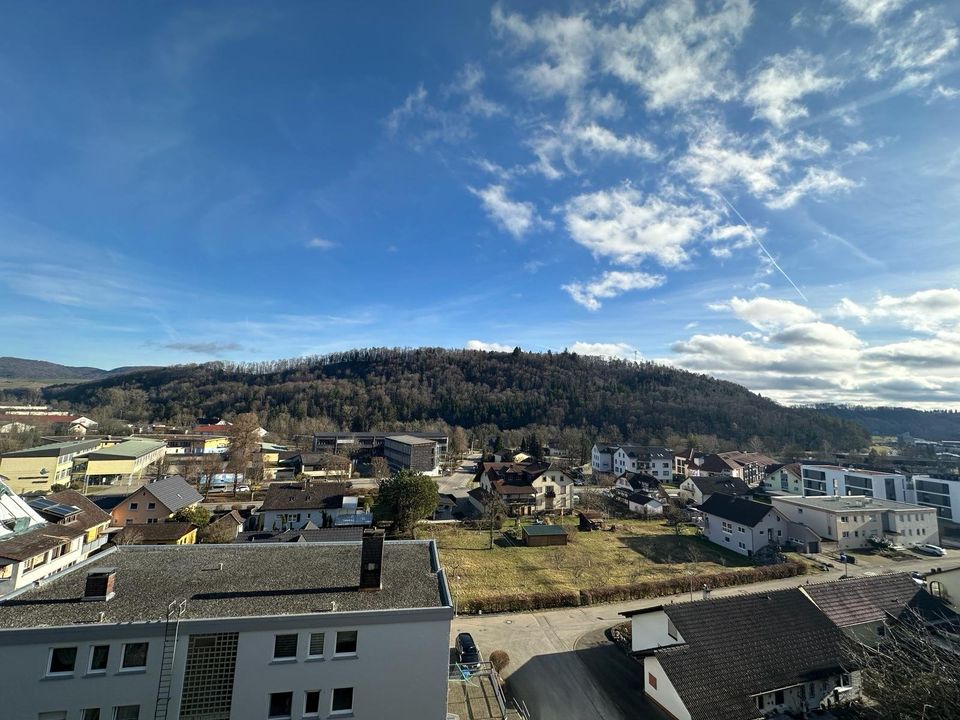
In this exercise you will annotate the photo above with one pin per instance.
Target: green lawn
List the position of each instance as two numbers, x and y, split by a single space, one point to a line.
636 551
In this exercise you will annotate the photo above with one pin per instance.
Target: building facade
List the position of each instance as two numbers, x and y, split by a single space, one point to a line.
407 452
940 493
36 469
286 631
601 458
821 480
742 525
122 463
655 461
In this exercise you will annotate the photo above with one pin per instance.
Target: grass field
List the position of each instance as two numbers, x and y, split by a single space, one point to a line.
636 551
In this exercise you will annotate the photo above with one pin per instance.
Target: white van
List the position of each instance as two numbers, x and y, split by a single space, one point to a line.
932 550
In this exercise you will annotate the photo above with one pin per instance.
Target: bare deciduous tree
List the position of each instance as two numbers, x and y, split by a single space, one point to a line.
379 468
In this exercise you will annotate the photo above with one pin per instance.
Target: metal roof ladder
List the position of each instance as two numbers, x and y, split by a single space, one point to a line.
174 612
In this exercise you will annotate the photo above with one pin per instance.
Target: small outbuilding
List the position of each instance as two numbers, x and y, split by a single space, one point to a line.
590 520
541 535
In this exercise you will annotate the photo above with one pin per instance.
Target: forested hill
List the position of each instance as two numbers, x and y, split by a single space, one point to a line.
12 368
366 389
925 424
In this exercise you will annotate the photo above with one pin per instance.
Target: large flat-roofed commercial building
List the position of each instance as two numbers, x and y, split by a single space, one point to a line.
369 444
852 521
36 469
821 480
230 632
123 462
407 452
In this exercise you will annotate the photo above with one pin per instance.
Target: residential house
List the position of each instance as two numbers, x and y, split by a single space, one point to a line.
228 525
32 547
270 459
126 461
59 508
164 533
697 490
748 466
743 657
291 506
866 608
631 482
156 502
745 526
601 458
644 505
446 507
823 480
783 479
941 493
221 427
409 452
850 522
656 461
945 585
528 487
313 465
38 468
253 630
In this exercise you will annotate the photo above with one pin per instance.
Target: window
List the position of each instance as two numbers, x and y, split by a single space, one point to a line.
316 645
62 661
342 700
90 714
740 528
843 518
846 533
347 643
311 703
129 521
281 705
126 712
778 697
285 647
652 680
134 506
99 654
134 657
151 506
54 715
151 521
742 546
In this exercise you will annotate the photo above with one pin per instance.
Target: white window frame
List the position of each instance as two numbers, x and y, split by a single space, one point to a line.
96 671
133 668
62 673
337 713
336 643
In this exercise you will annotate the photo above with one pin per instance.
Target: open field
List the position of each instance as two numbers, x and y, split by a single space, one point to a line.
637 551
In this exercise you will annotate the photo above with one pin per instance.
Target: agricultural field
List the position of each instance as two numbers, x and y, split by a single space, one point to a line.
635 551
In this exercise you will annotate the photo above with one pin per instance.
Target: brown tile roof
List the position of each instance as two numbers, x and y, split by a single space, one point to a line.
90 515
313 496
37 540
872 599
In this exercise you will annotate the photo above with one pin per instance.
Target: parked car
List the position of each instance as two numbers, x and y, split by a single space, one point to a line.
467 651
243 488
931 550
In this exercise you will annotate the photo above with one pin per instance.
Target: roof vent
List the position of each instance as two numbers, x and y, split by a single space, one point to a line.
100 584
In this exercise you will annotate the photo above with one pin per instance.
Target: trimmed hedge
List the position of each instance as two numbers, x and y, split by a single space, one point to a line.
635 591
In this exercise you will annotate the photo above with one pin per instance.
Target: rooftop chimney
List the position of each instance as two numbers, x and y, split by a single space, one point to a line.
100 584
371 560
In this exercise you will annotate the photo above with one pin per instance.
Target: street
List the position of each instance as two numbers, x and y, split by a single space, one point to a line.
562 666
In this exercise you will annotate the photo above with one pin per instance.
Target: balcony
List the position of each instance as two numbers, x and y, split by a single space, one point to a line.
94 545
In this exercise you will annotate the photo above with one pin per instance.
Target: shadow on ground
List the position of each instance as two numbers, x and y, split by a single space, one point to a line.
669 549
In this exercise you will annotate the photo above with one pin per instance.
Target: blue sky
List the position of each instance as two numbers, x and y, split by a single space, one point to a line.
767 192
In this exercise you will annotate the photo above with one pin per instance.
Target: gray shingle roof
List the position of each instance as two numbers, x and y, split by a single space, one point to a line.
315 496
316 535
540 530
257 579
160 532
174 492
722 484
738 510
743 645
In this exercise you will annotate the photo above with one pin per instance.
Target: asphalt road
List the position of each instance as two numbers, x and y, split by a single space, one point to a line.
562 666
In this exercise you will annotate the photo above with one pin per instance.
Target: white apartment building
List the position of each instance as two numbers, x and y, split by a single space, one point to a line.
820 480
852 521
656 461
601 458
941 494
278 631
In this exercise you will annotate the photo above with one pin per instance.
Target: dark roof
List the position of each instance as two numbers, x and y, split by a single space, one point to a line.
410 440
638 480
639 497
314 535
722 484
312 496
739 646
646 451
36 540
90 515
154 532
873 599
256 579
789 467
229 518
107 502
174 492
544 530
53 449
735 509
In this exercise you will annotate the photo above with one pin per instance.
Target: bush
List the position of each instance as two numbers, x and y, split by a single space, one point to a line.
521 602
499 659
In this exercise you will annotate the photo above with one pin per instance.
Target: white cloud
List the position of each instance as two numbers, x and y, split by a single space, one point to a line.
467 84
935 310
487 346
554 146
321 244
816 333
767 313
817 182
782 82
623 225
913 50
610 285
848 308
871 12
621 351
943 92
412 104
516 218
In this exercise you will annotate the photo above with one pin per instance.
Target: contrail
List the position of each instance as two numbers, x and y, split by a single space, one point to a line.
757 241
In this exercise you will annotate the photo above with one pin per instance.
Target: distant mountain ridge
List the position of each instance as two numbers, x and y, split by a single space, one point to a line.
925 424
12 368
383 387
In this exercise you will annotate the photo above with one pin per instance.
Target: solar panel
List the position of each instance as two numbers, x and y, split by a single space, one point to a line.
62 510
41 503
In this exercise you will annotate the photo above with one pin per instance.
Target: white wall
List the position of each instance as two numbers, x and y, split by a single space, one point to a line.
665 695
649 630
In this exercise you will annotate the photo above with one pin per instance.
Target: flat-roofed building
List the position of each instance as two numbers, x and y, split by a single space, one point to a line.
408 452
363 445
850 522
253 630
821 480
124 462
940 493
36 469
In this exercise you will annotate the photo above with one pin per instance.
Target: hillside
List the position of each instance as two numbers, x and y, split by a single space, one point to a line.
926 424
364 389
12 368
